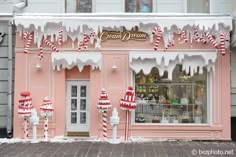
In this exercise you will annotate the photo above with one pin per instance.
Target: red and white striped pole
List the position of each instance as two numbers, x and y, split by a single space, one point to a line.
27 45
45 130
50 45
40 55
104 123
26 128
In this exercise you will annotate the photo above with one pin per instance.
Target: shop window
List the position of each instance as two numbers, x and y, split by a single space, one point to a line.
142 6
180 100
199 6
78 6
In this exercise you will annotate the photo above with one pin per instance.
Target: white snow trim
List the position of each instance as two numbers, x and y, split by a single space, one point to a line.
80 59
166 61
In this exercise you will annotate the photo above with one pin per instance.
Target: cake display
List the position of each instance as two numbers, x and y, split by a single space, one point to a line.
140 118
46 108
25 105
128 102
104 102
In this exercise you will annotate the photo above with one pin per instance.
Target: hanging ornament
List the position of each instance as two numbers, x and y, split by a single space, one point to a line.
196 35
50 45
211 40
28 43
60 31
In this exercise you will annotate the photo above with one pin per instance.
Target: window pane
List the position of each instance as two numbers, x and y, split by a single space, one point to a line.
73 91
180 100
73 104
145 6
199 6
71 6
83 104
82 118
85 6
130 6
73 117
83 91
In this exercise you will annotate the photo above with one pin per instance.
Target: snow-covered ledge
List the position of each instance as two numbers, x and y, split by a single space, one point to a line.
167 61
75 25
71 59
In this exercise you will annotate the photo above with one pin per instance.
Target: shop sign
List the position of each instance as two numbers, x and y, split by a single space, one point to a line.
123 36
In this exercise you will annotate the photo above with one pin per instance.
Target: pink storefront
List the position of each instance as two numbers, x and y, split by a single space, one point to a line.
178 65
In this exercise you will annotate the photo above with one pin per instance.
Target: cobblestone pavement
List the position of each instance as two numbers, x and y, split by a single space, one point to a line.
103 149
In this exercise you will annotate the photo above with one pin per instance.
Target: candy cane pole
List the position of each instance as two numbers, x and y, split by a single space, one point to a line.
26 129
212 41
60 31
126 125
27 45
50 45
183 35
40 55
104 123
222 43
196 35
26 34
45 135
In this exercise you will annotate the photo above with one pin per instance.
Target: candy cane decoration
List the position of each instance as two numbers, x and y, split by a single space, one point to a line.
212 41
183 35
50 45
158 30
196 35
202 39
45 135
80 45
170 43
40 55
104 123
27 45
60 31
26 34
26 129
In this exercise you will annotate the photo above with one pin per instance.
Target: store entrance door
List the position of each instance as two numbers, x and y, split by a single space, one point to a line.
77 106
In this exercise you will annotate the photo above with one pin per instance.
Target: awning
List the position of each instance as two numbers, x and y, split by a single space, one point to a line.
71 59
191 61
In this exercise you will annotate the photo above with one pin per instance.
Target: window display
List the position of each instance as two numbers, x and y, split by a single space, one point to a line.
180 100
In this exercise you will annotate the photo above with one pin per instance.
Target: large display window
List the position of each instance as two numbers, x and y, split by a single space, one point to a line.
180 100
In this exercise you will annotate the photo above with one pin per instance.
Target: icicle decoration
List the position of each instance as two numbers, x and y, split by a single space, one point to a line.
211 40
157 30
196 35
28 43
60 31
104 123
50 45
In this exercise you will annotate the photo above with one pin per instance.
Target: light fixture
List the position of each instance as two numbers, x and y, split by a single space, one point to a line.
38 65
114 67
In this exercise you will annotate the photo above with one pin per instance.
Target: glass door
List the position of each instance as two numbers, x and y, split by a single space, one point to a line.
78 106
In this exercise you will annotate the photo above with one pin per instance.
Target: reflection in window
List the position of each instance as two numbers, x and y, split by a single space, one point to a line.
83 91
143 6
199 6
73 104
82 118
73 91
180 100
83 104
73 117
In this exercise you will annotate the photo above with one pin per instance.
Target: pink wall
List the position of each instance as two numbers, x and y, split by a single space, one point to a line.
46 82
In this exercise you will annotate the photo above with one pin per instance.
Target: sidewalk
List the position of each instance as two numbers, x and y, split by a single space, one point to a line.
133 149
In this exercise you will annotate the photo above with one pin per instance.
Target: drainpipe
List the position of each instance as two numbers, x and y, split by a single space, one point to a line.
10 52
